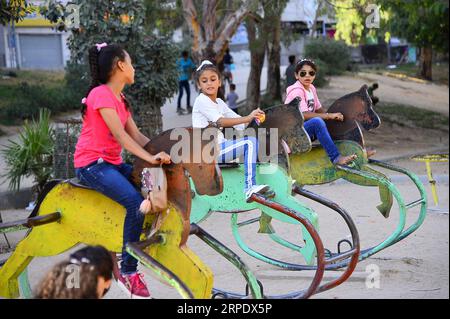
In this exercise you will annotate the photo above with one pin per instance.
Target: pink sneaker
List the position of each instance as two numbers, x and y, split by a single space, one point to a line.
134 285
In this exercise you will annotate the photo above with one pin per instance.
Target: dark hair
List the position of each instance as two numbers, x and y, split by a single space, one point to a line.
92 262
206 67
101 65
184 54
98 256
302 63
291 59
232 86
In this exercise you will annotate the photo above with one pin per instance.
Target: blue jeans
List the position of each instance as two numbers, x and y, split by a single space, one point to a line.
233 149
113 181
317 130
184 85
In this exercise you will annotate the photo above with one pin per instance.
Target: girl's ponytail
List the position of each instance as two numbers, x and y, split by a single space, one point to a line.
95 81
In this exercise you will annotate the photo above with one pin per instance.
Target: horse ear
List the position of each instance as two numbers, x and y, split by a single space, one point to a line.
364 88
295 102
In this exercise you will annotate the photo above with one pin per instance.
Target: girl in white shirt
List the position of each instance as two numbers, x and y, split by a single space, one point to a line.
208 109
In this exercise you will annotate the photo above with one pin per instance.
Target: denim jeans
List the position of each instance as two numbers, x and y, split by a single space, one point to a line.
113 181
184 85
317 130
233 149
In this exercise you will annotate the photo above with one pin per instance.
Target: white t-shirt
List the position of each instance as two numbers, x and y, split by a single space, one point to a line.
310 100
205 111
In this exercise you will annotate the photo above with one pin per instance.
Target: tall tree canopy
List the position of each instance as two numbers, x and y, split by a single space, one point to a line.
13 10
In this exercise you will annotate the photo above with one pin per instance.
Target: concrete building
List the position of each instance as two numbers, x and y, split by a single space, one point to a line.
298 18
33 44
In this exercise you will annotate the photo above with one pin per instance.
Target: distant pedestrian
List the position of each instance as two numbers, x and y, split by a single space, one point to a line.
290 71
185 67
232 98
228 64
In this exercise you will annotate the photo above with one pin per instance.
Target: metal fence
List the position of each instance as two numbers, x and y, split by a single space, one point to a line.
66 136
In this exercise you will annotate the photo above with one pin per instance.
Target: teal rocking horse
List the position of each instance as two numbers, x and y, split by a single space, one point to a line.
283 206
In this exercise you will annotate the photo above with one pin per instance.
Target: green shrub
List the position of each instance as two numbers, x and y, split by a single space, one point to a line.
322 71
77 81
28 99
31 155
335 54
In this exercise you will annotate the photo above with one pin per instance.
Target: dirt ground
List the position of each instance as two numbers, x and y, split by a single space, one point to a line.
390 139
428 96
417 267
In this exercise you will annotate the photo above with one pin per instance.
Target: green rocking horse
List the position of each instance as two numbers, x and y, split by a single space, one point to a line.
315 168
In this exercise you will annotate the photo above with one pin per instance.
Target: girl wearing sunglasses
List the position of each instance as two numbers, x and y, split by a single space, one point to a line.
315 115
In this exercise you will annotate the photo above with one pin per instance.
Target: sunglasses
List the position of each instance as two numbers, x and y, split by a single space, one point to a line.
303 73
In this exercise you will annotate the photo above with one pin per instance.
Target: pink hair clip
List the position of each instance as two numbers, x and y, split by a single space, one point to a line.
83 101
100 46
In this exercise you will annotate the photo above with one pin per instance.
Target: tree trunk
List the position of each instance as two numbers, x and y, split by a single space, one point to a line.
426 62
211 37
313 31
257 52
274 58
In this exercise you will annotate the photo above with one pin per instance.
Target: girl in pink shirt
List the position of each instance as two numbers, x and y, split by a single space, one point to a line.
107 128
315 115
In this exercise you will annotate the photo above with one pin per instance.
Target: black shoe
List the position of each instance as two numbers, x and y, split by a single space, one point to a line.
181 111
189 109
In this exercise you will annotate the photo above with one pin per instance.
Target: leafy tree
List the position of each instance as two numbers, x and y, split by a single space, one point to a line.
164 16
265 36
154 57
335 54
351 18
424 23
273 15
257 26
212 24
13 10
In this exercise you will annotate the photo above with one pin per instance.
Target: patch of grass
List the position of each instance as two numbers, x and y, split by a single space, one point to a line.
11 79
34 77
440 71
405 115
25 92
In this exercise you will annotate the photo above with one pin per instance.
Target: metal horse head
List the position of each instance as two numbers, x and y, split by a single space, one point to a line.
357 108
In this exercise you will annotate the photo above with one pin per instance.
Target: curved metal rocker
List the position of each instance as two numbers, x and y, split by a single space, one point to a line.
68 214
283 206
315 168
